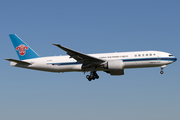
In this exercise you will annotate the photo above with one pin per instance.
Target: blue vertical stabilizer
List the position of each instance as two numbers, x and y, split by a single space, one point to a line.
22 49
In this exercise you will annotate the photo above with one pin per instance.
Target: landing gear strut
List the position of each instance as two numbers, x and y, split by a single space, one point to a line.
93 75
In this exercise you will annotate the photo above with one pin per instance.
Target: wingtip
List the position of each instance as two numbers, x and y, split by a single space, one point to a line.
53 44
6 58
56 44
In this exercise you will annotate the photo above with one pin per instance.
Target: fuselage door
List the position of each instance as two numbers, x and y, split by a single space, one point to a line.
158 56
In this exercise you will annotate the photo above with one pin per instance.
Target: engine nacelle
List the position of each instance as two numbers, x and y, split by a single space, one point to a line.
114 67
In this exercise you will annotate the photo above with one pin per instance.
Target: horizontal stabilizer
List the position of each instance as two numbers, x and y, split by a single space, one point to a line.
18 61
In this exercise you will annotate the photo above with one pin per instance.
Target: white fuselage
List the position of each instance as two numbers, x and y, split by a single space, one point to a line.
137 59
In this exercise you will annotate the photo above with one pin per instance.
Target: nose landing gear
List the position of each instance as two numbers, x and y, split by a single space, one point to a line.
162 67
92 76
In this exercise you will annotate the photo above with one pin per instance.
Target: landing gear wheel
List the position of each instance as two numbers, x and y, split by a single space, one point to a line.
161 72
97 77
92 76
88 77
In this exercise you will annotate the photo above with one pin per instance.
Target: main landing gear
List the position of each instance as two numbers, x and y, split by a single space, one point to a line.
92 76
162 67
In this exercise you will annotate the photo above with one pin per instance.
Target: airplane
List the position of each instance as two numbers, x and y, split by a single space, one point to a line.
112 63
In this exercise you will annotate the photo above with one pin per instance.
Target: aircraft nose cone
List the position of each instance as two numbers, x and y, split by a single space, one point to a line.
175 59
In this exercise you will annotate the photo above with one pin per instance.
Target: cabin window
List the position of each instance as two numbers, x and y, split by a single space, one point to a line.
150 54
146 54
139 55
142 54
154 54
135 55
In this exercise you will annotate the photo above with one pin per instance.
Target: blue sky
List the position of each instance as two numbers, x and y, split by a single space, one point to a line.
94 26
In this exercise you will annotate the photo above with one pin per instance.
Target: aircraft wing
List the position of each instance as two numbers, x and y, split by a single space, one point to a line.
81 57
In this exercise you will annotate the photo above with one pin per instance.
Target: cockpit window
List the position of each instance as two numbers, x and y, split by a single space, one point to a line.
170 55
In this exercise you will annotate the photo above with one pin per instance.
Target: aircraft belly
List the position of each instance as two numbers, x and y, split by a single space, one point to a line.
65 68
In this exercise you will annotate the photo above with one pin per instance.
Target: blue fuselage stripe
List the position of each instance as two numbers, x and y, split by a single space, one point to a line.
149 59
68 63
124 60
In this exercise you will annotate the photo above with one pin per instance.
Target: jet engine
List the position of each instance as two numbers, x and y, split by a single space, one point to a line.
114 67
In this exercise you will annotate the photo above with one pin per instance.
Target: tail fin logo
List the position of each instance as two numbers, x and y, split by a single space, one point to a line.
22 49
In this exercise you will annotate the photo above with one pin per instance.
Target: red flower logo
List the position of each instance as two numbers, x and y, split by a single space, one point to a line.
22 49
